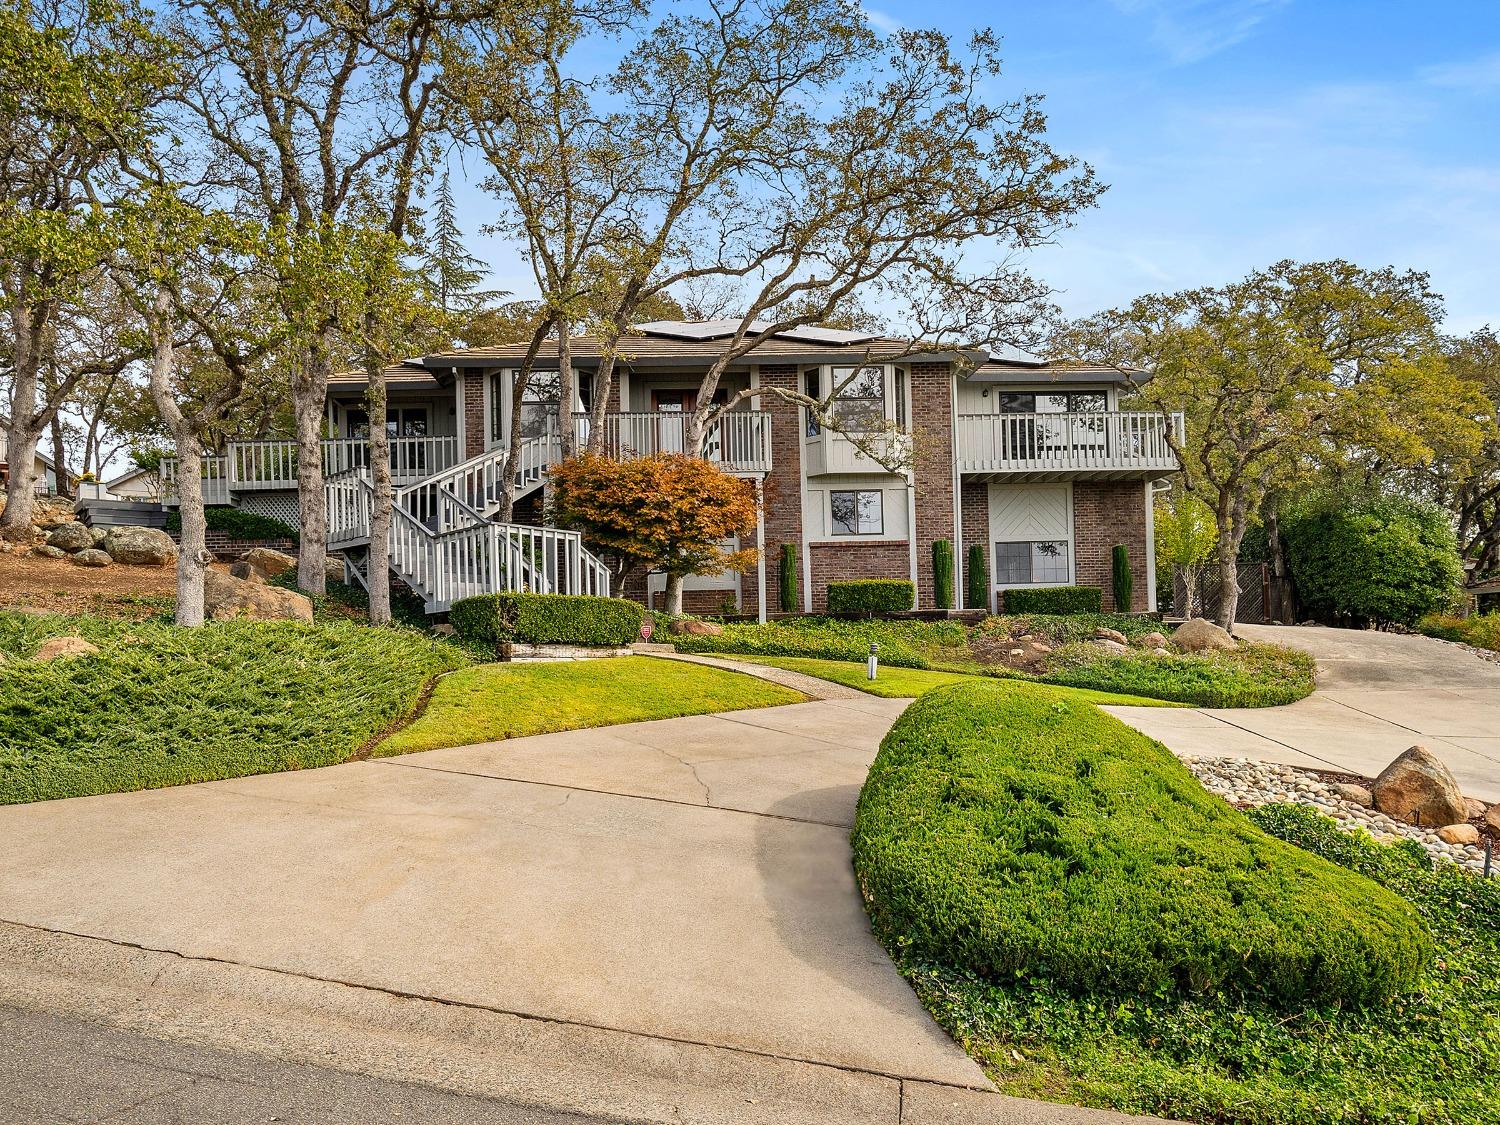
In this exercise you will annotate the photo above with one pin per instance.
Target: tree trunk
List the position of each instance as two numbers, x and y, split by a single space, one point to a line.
309 399
1229 592
568 391
604 378
20 492
673 597
378 572
60 456
192 550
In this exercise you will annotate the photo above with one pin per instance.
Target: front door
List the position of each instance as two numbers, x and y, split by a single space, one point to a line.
676 405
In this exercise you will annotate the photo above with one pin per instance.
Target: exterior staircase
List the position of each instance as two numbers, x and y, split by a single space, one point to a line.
444 543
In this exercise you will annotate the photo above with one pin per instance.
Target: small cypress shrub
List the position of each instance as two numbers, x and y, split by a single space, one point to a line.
787 574
1121 581
978 580
942 574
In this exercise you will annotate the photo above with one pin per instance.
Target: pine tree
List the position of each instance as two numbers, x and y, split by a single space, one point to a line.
452 271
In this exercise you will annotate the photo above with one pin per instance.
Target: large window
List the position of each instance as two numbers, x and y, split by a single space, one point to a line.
1043 563
1077 402
859 398
856 512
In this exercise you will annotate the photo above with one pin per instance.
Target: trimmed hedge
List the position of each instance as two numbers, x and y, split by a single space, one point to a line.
1054 599
239 524
871 595
1008 830
542 619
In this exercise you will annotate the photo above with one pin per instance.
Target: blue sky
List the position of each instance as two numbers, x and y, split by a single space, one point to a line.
1234 133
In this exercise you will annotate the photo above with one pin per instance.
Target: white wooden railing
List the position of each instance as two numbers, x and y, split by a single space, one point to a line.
273 464
739 441
1100 440
472 555
215 475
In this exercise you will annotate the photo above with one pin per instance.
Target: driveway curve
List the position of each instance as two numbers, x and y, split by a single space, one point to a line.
1378 693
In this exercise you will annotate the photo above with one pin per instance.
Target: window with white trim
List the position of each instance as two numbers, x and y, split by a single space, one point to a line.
1038 563
856 512
859 401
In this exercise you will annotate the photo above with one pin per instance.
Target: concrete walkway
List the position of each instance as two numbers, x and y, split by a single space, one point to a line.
1378 693
646 922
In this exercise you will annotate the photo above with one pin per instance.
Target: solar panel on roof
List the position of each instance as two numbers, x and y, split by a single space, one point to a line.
719 329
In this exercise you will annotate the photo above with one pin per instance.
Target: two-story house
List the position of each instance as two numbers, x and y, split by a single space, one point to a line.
1039 465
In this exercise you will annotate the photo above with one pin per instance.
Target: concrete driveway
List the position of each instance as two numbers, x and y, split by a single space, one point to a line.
1378 693
647 922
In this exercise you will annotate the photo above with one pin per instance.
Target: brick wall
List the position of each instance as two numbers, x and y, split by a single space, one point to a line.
1106 513
474 420
931 418
834 562
974 497
227 548
783 514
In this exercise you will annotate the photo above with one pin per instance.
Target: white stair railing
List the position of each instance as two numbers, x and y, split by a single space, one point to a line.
477 481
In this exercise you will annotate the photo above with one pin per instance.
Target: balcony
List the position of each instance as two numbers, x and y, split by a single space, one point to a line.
1109 445
739 442
251 466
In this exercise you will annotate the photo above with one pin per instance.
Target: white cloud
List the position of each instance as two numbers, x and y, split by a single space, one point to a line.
1190 30
883 22
1476 75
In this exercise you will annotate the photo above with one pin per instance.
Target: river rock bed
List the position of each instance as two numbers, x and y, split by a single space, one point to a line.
1247 783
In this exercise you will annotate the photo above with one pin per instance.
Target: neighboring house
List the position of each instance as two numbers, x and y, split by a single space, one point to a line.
134 484
46 471
1038 464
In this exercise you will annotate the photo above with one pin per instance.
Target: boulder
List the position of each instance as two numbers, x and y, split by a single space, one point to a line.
1476 807
246 571
140 546
1111 646
1201 635
333 568
1153 640
1492 819
1417 787
59 648
226 598
1354 794
267 562
92 556
1458 834
47 551
1103 634
692 627
71 537
98 534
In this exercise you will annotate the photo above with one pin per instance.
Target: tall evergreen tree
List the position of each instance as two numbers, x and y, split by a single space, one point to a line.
452 272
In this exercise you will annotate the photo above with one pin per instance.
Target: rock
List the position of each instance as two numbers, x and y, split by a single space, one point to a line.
59 648
267 562
1354 794
1153 640
1492 819
47 551
140 546
71 537
1458 834
226 598
692 627
1476 807
244 570
1103 634
333 568
1201 635
1111 646
1417 786
97 534
92 556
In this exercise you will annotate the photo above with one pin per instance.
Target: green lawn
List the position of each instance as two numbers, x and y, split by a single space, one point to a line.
903 683
160 705
488 702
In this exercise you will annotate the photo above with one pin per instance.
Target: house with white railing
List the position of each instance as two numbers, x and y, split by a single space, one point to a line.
1045 467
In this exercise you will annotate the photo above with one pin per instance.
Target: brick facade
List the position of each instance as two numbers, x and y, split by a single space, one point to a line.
783 486
932 425
474 420
834 562
975 499
1107 512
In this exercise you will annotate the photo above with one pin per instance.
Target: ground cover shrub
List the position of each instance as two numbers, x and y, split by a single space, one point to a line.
1011 832
341 601
904 644
1425 1057
1481 631
162 705
871 595
1062 629
1254 675
539 619
239 524
1053 599
1360 560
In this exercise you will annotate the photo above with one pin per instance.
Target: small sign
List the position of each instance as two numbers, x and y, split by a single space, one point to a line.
646 627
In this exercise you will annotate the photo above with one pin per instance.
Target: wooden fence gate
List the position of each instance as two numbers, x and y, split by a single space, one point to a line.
1264 598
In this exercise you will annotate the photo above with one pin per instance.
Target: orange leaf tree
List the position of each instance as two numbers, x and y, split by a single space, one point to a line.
667 512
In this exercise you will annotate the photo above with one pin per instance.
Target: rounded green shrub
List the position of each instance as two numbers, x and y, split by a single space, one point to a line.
1009 830
1374 559
540 619
1054 599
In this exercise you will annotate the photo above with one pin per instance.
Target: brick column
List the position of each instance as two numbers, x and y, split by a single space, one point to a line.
783 485
474 420
932 425
974 497
1107 512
